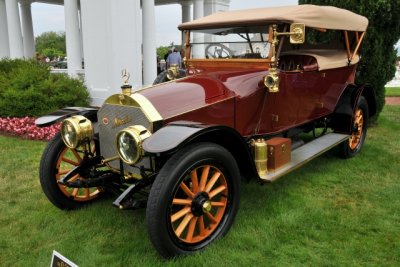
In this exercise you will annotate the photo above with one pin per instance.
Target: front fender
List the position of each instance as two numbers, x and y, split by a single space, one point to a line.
174 136
64 113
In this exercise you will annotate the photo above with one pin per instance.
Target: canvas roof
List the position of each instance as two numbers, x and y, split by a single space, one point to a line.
326 17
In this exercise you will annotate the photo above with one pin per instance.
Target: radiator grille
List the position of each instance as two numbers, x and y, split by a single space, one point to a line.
112 119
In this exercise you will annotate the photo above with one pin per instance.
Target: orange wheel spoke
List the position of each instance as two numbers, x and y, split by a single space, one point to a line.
180 214
70 161
212 181
204 176
187 190
87 192
218 204
75 192
63 172
212 218
192 227
202 228
195 182
182 226
216 191
74 178
178 201
76 154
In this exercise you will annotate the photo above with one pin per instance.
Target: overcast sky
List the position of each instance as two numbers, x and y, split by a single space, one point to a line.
51 18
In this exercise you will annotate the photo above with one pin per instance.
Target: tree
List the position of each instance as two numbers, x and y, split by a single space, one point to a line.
51 44
377 66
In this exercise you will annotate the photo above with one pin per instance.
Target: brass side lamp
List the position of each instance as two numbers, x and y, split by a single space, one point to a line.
297 36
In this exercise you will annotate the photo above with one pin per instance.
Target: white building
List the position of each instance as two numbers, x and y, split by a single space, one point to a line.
108 35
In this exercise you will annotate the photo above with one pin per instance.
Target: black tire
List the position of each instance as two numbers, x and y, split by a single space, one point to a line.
216 211
56 160
355 143
162 77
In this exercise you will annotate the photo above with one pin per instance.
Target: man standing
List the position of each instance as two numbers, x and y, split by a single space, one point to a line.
174 58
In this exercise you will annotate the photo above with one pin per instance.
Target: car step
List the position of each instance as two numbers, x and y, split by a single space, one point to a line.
305 153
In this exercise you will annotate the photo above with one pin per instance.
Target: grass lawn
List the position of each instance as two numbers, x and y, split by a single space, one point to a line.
331 212
392 91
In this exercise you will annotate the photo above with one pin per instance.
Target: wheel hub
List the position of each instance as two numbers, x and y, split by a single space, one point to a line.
201 204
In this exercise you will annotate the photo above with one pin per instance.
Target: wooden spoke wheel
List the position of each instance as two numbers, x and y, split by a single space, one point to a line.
57 160
193 200
358 124
199 204
68 159
356 141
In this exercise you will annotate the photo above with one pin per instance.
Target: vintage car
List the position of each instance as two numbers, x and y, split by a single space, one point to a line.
265 91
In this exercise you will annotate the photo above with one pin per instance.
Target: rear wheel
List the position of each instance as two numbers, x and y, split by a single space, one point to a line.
57 160
193 200
355 143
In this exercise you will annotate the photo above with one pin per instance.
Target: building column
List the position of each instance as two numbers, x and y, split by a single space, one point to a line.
27 29
186 16
73 37
198 12
4 45
149 42
14 29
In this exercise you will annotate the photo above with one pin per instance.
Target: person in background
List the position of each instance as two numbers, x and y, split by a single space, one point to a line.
174 58
167 54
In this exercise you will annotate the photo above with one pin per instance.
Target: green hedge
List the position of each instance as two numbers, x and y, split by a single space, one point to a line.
28 89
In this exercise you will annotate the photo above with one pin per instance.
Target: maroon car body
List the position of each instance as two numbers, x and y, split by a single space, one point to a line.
263 92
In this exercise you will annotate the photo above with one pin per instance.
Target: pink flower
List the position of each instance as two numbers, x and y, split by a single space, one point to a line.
26 128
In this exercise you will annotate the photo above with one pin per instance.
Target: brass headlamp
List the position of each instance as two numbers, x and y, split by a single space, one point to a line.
173 72
76 130
129 143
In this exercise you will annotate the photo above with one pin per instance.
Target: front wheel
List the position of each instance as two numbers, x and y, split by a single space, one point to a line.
193 200
354 144
57 160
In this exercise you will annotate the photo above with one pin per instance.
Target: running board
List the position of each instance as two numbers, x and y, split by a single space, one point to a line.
305 153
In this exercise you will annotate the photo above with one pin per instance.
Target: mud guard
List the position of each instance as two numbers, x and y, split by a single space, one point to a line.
174 136
342 118
63 113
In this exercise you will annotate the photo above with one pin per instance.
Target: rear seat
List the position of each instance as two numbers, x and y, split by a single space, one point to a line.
297 63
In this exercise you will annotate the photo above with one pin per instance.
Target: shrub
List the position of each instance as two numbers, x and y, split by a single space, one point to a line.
28 89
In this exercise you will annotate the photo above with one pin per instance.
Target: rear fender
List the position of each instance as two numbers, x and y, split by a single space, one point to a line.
64 113
342 118
173 137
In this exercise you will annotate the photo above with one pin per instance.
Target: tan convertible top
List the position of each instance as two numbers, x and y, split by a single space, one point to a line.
326 17
326 58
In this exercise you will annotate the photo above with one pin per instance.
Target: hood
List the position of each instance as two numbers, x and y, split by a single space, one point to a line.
183 95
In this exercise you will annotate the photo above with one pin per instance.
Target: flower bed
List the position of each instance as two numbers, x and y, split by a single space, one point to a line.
26 128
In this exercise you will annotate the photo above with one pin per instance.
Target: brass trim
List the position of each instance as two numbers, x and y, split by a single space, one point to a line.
261 156
147 106
139 101
207 206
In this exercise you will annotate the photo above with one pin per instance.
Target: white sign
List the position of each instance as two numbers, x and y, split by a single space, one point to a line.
58 260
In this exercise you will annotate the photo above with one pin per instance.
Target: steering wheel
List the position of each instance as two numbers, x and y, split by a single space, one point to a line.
218 51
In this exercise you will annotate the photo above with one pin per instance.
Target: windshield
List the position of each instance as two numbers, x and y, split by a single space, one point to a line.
230 43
